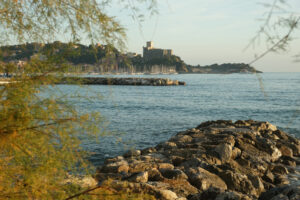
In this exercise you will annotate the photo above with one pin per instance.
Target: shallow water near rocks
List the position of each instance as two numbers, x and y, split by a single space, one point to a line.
143 116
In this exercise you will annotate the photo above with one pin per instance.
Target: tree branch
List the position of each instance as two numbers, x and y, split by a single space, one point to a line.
39 126
281 41
87 191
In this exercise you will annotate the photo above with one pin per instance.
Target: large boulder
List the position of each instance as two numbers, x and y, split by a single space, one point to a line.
167 194
116 167
132 152
224 151
239 182
141 177
203 179
173 174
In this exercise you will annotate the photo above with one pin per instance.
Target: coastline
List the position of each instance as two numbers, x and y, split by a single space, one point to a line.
242 160
135 81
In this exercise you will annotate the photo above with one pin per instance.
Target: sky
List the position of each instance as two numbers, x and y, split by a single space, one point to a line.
205 32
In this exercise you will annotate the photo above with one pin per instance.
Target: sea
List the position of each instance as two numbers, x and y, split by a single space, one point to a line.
143 116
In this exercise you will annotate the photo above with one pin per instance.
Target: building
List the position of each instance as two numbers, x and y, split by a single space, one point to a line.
149 52
132 55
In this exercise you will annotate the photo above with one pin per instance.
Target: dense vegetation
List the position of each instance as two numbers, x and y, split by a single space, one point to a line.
78 54
73 53
225 68
40 130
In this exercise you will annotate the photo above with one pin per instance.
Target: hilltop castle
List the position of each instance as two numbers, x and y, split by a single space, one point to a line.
149 52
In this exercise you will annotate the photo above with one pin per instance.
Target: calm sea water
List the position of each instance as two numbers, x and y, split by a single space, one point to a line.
143 116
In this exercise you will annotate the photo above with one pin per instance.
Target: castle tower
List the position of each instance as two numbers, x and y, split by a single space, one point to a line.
149 52
150 45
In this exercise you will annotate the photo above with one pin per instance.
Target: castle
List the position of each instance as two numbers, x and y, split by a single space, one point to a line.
149 52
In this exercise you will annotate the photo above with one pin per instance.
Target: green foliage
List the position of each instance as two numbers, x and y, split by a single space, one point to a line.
70 52
110 190
42 20
166 60
39 132
77 54
39 136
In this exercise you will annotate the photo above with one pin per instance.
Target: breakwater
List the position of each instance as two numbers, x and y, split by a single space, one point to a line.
121 81
216 160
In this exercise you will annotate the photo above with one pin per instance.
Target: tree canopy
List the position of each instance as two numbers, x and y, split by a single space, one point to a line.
39 130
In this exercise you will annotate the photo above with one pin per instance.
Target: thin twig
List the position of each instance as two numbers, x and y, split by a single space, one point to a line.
87 191
282 40
262 28
39 126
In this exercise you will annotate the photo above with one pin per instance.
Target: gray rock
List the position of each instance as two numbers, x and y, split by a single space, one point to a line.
217 160
286 151
238 182
209 194
139 177
257 183
112 160
165 166
148 150
173 174
280 197
276 154
140 166
155 175
116 167
168 145
224 151
203 179
281 180
236 152
269 177
177 160
181 138
167 195
280 169
271 127
219 194
232 195
146 158
295 148
282 135
290 191
288 161
131 153
268 146
193 162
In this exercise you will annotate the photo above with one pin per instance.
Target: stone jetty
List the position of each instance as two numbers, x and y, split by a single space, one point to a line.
121 81
218 160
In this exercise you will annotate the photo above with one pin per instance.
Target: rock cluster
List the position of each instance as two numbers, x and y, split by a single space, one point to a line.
218 160
121 81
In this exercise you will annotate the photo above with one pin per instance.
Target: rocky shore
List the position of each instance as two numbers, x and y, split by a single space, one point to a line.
218 160
121 81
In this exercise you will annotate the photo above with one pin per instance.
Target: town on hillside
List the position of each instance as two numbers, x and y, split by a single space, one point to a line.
104 59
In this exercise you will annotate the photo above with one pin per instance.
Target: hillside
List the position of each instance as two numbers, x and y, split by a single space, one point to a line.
105 59
227 68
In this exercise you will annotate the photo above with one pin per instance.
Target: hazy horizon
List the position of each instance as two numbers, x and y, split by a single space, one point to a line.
207 32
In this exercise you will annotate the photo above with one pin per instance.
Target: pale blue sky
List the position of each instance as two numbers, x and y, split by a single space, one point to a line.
209 31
